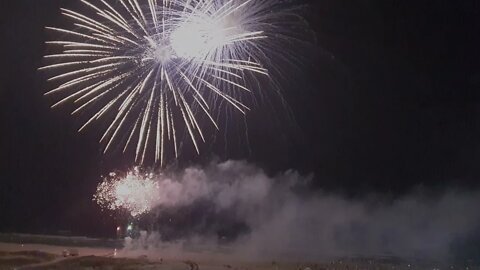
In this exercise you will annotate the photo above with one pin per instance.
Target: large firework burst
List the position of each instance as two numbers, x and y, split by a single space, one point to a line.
151 68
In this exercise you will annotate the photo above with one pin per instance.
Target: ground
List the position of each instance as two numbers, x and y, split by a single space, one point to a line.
49 257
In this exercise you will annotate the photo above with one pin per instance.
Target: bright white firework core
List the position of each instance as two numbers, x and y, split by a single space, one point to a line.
158 51
162 54
199 37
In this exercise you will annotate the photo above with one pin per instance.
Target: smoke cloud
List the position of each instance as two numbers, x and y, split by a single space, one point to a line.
236 205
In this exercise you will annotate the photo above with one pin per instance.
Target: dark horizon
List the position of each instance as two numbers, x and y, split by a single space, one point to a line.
388 102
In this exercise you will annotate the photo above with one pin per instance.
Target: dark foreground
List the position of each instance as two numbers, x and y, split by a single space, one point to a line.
42 261
42 257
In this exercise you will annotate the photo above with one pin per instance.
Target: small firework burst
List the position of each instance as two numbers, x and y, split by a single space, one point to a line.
134 192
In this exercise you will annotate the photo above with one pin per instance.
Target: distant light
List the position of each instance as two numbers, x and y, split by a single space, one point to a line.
118 228
130 227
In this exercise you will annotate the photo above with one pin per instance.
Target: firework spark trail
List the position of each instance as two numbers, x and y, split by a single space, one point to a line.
150 67
135 192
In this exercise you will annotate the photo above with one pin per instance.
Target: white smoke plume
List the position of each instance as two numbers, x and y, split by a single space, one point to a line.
280 216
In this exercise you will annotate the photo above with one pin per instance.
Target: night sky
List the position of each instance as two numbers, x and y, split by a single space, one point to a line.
387 101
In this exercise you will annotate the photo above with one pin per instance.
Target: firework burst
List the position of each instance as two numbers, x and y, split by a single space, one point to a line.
154 67
135 192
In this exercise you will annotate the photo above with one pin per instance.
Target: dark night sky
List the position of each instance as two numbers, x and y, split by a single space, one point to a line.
389 101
